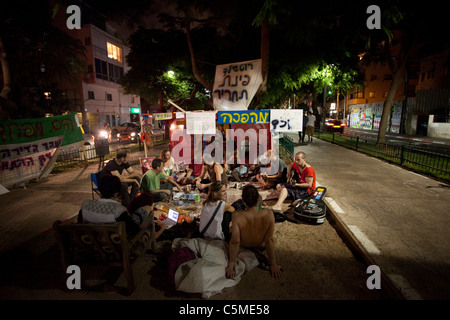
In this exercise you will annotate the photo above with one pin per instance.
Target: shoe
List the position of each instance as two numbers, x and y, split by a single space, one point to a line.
279 216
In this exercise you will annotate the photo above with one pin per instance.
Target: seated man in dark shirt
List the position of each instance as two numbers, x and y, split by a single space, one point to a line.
120 168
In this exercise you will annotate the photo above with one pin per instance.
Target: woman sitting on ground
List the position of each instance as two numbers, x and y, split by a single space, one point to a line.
169 166
219 228
216 173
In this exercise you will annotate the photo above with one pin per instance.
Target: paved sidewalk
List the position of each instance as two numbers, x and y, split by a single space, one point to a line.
24 216
398 219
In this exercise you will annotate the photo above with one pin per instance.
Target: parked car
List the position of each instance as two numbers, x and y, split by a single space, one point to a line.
127 131
333 125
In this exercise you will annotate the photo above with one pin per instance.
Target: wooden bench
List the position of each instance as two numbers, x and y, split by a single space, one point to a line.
104 244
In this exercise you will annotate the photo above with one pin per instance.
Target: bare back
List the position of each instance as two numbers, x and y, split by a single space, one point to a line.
255 227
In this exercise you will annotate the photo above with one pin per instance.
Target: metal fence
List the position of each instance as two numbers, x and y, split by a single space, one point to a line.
74 156
286 146
432 162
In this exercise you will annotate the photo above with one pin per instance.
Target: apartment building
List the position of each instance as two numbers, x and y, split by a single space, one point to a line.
431 113
98 98
104 100
365 105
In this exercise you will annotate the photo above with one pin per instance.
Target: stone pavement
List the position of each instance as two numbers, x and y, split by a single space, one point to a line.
28 212
397 220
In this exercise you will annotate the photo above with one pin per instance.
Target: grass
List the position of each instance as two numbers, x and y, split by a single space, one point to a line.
420 161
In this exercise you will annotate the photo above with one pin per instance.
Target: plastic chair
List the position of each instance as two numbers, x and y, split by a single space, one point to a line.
95 179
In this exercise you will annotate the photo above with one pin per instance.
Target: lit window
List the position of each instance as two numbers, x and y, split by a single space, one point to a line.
114 52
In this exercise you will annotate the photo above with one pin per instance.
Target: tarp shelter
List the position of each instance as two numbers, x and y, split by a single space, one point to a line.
193 134
255 136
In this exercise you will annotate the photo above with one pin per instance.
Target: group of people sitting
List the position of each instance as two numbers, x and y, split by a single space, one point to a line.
242 224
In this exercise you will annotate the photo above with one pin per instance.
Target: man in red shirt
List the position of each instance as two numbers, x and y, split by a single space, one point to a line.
302 186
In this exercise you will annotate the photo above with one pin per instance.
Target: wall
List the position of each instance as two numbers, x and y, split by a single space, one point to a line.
438 129
368 116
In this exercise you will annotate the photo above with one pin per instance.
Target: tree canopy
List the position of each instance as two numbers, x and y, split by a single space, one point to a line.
35 57
302 47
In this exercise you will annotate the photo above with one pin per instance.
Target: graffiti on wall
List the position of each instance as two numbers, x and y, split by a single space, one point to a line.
368 116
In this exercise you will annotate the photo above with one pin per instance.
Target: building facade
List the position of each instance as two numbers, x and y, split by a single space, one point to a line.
421 104
98 98
104 100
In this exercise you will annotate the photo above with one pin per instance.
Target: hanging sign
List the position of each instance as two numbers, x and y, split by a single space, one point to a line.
201 122
286 120
235 84
250 116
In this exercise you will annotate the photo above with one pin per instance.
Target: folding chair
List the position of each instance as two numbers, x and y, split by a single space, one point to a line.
95 179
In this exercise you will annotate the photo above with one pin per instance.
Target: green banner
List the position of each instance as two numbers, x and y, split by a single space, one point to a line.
28 130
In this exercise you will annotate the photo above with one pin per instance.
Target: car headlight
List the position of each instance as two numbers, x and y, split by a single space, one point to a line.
133 134
118 135
103 133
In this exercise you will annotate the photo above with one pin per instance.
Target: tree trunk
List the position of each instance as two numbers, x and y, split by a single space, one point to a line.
206 84
264 55
264 63
5 71
396 82
161 100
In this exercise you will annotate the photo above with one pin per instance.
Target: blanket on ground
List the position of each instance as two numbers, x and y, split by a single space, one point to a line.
206 273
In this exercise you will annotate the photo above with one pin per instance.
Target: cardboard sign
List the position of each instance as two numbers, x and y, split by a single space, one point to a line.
201 122
235 84
286 120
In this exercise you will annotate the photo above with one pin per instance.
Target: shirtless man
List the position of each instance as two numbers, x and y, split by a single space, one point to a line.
252 228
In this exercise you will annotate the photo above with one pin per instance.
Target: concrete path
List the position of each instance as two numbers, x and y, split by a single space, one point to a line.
398 219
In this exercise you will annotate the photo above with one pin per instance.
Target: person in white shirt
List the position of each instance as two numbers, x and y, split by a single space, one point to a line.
219 226
310 126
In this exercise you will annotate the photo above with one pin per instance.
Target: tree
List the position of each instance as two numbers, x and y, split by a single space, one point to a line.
35 58
300 42
150 65
408 30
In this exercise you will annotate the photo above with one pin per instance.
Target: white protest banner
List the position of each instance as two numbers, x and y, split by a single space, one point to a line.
162 116
28 160
235 84
286 120
201 122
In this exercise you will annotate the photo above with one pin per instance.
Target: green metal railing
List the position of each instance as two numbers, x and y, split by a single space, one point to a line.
286 146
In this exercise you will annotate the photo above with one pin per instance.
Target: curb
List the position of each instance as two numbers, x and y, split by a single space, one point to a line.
357 248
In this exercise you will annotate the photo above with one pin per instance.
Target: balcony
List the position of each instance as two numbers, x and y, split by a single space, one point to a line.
356 101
